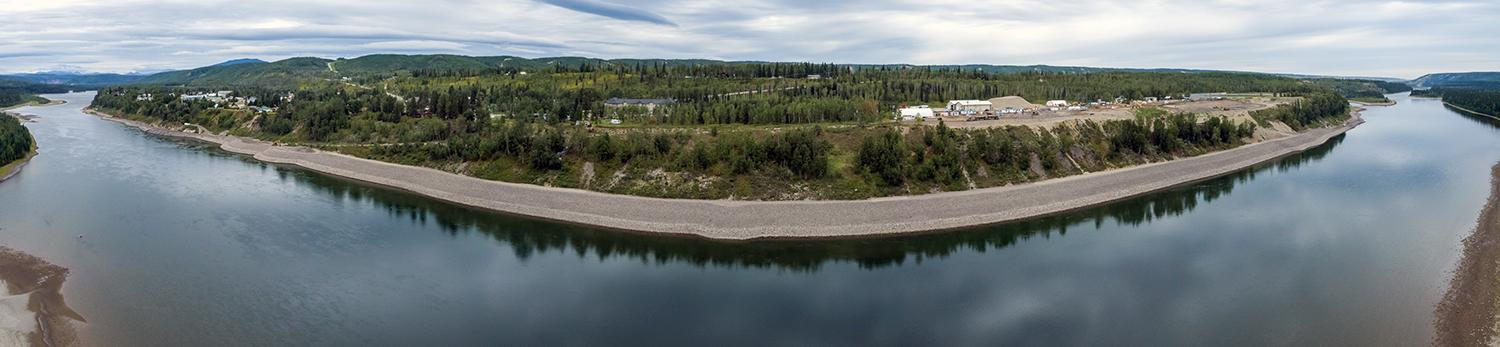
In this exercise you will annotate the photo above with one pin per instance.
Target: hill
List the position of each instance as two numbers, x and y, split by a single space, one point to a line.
1458 80
284 73
239 61
293 71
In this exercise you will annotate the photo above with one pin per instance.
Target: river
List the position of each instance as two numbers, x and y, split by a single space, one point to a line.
177 243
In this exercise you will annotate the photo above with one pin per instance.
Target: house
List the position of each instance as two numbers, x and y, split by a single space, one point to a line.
649 104
969 107
144 97
915 112
1057 103
814 77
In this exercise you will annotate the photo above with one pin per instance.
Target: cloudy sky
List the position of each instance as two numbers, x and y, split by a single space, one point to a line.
1346 37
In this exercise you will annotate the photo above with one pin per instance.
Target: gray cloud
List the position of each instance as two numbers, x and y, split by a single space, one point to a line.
1346 37
610 10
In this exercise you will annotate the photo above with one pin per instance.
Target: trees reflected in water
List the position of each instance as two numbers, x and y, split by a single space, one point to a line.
529 236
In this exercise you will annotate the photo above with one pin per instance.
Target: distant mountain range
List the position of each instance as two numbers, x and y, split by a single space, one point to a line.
290 72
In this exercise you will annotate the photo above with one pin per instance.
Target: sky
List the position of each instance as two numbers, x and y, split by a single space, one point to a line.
1403 39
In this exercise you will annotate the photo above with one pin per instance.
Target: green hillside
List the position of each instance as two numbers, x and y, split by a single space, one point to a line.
294 71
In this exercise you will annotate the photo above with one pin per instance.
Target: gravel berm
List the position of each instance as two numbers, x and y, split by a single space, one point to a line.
746 220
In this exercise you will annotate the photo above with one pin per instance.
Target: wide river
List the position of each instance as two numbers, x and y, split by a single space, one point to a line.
178 243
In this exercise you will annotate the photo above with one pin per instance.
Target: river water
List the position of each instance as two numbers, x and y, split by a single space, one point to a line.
177 243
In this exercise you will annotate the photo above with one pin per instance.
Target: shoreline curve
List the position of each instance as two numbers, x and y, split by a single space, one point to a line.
1466 316
730 220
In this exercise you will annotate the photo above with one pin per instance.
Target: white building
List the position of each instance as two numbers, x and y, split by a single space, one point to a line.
1207 96
915 112
1057 103
969 107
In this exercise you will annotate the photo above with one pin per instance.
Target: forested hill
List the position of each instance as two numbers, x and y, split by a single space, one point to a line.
1362 90
79 80
14 92
294 71
1486 101
291 72
1458 80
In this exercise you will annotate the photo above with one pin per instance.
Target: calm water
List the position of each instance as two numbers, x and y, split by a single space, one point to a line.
182 244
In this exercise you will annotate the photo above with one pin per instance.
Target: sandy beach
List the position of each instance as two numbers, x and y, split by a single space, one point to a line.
1467 314
746 220
33 312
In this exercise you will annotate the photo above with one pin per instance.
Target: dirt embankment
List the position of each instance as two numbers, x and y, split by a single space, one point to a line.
41 284
1467 314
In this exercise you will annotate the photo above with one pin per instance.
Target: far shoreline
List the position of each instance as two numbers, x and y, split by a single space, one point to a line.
1461 108
765 220
12 169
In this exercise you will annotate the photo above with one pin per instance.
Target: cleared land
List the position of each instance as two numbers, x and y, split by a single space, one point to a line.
743 220
1467 314
1237 110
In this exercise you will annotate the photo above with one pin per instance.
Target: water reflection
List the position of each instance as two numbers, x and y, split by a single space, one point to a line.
1482 119
528 236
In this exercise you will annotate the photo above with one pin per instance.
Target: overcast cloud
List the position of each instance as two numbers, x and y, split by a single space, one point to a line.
1353 37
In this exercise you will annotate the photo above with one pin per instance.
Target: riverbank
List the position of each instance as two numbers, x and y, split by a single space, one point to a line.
1467 314
33 312
50 102
1367 103
13 168
745 220
1461 108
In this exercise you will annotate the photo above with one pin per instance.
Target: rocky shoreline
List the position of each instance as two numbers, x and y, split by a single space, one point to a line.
1467 314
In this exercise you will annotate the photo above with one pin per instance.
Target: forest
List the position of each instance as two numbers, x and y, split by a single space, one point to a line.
1362 90
404 109
1486 101
15 141
744 131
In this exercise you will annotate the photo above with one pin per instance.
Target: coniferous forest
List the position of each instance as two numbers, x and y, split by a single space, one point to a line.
15 141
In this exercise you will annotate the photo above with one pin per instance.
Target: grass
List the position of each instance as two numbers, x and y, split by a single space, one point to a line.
1372 100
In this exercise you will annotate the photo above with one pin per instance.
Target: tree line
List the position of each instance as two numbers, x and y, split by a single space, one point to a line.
15 141
1312 110
1486 101
941 155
